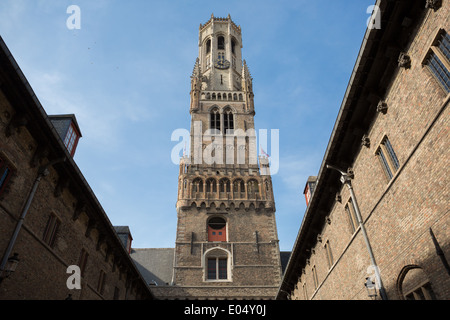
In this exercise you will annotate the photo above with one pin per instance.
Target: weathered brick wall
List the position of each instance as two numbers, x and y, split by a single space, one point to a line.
249 267
41 273
398 213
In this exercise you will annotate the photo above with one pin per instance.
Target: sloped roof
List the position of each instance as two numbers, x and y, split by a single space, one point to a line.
155 264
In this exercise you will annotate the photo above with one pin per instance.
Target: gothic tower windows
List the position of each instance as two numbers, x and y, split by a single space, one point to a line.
219 119
208 46
220 43
211 185
238 187
197 185
224 185
228 121
214 118
252 188
208 53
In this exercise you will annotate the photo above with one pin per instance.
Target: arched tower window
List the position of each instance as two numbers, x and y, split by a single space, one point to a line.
217 265
215 119
220 43
252 187
208 46
197 185
228 121
233 46
211 185
224 185
238 185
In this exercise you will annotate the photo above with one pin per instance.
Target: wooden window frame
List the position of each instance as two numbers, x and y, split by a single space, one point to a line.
329 254
51 230
387 157
101 282
435 51
5 181
315 277
82 261
351 216
71 139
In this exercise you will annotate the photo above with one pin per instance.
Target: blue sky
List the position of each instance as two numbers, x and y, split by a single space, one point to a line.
126 76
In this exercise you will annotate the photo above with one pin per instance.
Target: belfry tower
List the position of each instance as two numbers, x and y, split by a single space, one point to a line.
226 243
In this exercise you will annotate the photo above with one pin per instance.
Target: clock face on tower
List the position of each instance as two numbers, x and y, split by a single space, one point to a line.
222 64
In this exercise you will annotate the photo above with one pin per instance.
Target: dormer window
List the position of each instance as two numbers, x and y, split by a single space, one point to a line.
71 139
68 130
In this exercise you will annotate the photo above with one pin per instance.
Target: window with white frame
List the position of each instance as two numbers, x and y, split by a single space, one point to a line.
438 59
388 158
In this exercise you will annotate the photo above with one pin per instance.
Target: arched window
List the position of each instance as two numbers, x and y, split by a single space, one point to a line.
224 185
238 185
220 43
197 185
252 187
233 46
413 284
217 229
228 121
208 46
217 265
215 118
211 185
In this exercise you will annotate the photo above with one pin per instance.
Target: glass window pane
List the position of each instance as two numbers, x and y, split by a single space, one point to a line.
392 154
222 268
212 269
444 45
3 177
440 71
385 164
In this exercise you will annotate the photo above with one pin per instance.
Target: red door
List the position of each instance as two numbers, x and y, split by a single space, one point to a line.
217 234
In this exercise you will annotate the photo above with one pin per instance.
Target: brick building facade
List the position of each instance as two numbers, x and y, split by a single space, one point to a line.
391 144
44 196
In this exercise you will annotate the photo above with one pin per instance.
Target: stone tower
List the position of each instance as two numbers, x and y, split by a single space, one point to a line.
227 242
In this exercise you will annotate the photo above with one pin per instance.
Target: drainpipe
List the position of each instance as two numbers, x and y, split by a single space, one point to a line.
42 172
346 179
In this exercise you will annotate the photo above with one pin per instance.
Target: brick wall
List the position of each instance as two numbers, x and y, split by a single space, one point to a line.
398 213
